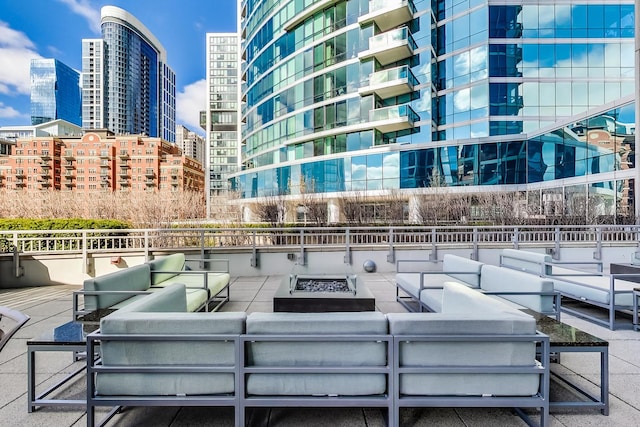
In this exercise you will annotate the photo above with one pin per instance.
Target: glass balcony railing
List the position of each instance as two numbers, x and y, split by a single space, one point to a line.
391 46
388 13
393 74
391 82
394 118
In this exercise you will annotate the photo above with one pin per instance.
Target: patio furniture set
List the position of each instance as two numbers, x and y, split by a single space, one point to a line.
480 336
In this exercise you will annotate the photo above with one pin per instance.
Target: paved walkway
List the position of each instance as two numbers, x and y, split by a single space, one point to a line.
51 306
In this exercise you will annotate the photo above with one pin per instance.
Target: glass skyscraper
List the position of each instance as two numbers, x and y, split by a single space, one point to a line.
55 92
222 157
127 85
374 96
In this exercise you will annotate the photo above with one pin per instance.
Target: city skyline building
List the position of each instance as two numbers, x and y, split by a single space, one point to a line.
99 161
127 86
55 92
367 98
222 114
190 143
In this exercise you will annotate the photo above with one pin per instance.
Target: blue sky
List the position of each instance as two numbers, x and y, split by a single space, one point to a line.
55 29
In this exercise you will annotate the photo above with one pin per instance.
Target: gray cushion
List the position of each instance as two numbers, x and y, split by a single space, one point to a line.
465 353
432 298
173 262
323 353
460 299
457 268
135 278
501 279
532 262
169 299
316 384
163 352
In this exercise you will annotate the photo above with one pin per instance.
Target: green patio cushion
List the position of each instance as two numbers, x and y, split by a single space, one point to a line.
170 299
134 278
173 262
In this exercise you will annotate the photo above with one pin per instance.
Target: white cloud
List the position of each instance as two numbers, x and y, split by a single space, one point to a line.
7 112
84 9
16 53
189 103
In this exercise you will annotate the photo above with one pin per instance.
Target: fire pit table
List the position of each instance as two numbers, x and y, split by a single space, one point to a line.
316 293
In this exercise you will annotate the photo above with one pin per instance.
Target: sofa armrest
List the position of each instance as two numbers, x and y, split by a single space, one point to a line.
401 262
557 300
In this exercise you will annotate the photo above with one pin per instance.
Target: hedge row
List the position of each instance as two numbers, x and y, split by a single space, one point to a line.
62 224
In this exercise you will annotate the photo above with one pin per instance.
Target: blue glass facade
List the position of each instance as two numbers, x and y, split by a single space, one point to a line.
55 92
365 95
139 87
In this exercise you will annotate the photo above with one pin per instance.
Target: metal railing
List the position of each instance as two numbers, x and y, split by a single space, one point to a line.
78 241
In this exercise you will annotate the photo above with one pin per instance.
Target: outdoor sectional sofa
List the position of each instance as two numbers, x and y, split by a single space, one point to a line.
477 352
518 289
205 290
608 291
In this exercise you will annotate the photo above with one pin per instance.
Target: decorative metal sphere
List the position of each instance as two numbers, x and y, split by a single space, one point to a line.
369 266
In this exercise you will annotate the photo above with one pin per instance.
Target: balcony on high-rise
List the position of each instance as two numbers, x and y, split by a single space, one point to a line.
389 83
391 46
393 118
388 14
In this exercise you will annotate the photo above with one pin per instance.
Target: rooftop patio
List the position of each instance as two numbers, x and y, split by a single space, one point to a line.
52 305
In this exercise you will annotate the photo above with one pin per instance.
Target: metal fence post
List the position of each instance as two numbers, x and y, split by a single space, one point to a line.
347 246
598 252
433 256
301 257
201 263
391 256
474 253
254 251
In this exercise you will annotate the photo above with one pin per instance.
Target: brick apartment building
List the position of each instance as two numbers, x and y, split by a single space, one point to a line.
99 161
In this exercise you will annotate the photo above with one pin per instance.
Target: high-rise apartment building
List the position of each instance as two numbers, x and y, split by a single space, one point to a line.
190 143
356 97
55 92
127 86
99 161
222 132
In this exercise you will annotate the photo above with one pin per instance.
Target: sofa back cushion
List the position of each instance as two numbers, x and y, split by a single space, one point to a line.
530 262
173 262
486 352
172 299
172 353
316 353
460 299
135 278
501 279
452 264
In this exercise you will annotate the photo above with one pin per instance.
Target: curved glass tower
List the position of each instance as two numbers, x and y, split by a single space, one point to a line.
374 96
127 86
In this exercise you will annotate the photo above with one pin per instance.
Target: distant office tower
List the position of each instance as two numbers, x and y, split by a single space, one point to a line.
222 115
127 85
55 92
362 99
